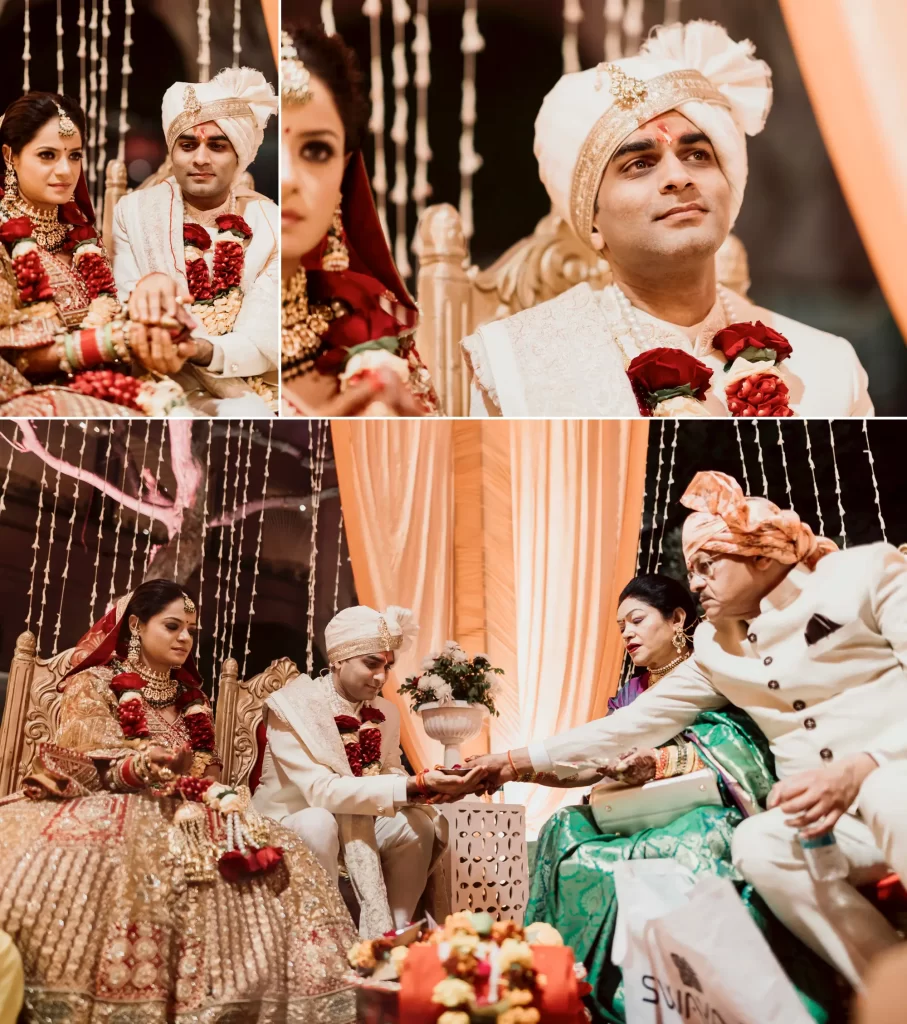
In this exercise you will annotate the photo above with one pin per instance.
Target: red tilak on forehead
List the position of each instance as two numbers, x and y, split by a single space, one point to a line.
665 132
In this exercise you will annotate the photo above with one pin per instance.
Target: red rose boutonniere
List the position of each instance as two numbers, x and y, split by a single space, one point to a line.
668 382
755 387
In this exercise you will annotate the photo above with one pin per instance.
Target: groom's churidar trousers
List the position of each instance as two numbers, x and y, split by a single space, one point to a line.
405 842
833 918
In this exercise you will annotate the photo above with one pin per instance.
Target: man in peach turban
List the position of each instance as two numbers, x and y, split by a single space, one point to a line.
811 642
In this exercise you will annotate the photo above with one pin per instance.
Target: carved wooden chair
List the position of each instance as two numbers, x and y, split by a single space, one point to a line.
457 298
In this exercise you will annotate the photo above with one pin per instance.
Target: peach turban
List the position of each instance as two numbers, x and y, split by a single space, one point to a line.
726 522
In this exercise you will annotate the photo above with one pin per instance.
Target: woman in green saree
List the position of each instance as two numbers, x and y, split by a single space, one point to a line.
572 884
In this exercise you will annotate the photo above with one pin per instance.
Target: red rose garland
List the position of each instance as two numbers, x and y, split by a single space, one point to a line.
229 257
665 373
362 740
132 717
762 392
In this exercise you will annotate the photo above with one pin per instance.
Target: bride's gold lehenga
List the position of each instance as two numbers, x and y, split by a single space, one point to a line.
108 922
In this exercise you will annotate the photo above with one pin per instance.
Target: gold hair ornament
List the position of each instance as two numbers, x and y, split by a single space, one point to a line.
67 125
295 79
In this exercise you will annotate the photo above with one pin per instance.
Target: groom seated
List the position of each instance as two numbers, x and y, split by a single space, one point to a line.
333 771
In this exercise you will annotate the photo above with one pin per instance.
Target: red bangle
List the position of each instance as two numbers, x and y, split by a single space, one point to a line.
420 784
129 777
91 350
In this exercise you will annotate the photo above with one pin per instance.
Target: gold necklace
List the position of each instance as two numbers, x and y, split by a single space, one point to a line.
657 674
49 233
302 326
160 689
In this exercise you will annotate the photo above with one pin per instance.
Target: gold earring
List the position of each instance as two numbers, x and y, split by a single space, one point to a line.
10 183
135 647
336 256
680 640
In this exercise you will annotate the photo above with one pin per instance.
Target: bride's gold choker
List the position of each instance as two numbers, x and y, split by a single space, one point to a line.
302 326
49 233
160 689
657 674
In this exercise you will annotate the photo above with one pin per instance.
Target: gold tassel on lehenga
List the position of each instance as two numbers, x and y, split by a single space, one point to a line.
191 844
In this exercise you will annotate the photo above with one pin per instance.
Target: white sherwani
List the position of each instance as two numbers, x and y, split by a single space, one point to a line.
148 238
844 693
307 785
568 357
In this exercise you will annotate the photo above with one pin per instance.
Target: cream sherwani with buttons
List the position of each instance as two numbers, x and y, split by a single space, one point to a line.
844 694
307 785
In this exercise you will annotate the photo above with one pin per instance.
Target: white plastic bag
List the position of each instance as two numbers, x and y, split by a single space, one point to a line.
691 954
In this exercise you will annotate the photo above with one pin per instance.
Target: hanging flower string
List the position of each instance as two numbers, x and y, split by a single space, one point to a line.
362 740
217 299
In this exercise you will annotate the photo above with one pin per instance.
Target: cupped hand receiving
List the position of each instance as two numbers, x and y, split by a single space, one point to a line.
317 394
179 760
447 788
634 768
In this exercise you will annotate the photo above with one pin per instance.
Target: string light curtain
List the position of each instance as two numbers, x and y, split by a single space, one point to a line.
470 161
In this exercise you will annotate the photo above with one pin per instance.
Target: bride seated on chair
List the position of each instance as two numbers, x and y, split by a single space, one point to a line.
572 886
131 881
348 320
59 315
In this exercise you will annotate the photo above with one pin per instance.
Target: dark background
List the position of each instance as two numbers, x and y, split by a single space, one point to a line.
164 50
806 258
279 625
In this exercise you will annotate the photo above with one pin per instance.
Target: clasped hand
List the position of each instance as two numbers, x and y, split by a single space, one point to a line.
160 328
178 760
444 788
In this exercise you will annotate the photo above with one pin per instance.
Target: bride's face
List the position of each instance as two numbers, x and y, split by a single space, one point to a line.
48 166
169 636
362 678
647 634
313 162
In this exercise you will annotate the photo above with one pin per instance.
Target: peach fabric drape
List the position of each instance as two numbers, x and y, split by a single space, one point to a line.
576 489
513 538
850 54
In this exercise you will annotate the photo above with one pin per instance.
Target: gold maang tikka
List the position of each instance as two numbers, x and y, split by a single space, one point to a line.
67 125
295 80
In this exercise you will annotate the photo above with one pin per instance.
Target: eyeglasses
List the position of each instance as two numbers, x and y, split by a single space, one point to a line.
704 570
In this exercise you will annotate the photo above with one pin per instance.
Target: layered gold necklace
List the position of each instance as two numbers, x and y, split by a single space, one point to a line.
657 674
49 233
303 326
160 689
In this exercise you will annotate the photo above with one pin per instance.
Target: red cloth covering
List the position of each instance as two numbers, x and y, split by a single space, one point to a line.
558 1003
382 307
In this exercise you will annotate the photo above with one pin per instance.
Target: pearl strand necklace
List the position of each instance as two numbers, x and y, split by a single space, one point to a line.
634 328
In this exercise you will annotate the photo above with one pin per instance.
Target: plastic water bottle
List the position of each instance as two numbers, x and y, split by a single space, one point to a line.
824 859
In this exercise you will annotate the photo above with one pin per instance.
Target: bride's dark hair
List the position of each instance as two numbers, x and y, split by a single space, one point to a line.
26 116
664 594
331 60
151 597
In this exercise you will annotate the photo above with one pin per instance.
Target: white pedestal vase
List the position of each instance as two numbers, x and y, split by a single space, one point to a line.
452 723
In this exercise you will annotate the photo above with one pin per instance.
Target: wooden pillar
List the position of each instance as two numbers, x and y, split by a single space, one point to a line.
15 712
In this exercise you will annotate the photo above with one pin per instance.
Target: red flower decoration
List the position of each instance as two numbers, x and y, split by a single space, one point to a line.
192 788
15 229
370 745
70 213
236 867
233 222
759 395
132 719
95 272
195 234
664 373
201 731
370 714
126 681
264 858
199 281
77 234
108 385
736 339
31 278
232 866
228 266
346 723
191 694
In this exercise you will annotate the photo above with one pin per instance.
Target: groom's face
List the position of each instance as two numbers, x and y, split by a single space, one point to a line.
362 678
663 194
204 161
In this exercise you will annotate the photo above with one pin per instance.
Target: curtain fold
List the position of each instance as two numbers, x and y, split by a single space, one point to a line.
850 53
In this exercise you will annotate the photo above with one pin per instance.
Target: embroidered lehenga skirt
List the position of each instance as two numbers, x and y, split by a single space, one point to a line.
109 930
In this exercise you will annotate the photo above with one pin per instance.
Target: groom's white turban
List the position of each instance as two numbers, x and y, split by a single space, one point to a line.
696 69
361 630
238 100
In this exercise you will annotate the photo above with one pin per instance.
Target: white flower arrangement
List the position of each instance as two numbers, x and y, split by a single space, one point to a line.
451 675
